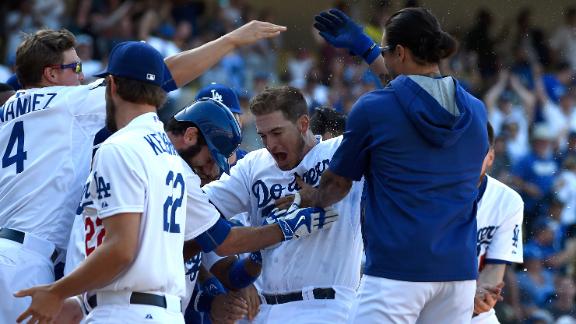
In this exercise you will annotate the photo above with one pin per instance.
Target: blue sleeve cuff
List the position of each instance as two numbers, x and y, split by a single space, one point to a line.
214 236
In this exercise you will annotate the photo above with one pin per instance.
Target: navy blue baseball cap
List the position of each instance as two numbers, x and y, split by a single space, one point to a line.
136 61
222 94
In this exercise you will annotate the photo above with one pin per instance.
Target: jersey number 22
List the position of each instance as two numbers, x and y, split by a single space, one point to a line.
171 204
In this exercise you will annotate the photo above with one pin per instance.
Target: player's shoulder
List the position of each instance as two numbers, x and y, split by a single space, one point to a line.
380 102
330 144
503 192
254 158
375 98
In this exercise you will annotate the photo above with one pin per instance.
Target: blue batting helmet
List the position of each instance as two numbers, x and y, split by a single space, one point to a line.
218 126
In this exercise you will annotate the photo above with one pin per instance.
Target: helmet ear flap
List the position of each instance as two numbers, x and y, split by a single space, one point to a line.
217 125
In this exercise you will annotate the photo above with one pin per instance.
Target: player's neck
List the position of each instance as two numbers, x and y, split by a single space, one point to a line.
309 142
127 111
429 70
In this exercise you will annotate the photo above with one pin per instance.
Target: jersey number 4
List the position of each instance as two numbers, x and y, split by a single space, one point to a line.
16 139
171 204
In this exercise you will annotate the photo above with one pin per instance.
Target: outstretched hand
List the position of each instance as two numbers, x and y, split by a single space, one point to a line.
254 31
45 306
342 32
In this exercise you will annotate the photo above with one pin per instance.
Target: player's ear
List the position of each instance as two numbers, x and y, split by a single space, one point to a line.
191 136
112 84
49 74
303 123
490 157
401 52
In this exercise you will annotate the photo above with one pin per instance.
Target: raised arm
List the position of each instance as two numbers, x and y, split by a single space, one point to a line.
342 32
188 65
526 97
491 97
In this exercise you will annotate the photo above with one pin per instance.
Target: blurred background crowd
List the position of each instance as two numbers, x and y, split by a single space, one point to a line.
522 72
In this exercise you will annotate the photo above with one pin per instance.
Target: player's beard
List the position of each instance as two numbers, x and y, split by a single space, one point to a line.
190 152
111 124
299 154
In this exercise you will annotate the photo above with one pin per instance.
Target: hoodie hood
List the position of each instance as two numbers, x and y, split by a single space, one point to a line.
434 122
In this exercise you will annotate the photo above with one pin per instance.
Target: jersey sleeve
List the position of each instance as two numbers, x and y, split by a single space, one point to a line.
200 213
507 242
231 193
87 103
76 251
117 186
351 157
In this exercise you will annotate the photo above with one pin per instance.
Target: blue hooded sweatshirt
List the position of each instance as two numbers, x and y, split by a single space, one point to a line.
421 163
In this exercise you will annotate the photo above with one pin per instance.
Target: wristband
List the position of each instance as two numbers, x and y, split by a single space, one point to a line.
213 287
238 277
371 54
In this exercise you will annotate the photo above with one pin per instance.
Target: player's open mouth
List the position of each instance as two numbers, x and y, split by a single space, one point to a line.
279 157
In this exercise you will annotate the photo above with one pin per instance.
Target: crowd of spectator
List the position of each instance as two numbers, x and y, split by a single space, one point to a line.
524 74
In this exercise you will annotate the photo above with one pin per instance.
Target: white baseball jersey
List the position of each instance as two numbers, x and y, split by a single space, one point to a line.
200 216
328 258
499 222
46 139
137 170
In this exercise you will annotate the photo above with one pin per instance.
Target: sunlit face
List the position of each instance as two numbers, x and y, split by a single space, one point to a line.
282 138
68 76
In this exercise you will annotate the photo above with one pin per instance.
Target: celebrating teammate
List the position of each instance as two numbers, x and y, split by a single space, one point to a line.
46 134
499 240
133 181
310 280
420 144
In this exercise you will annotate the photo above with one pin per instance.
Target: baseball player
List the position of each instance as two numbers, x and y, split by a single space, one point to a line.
229 98
203 136
499 241
310 280
134 273
419 143
229 272
46 132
